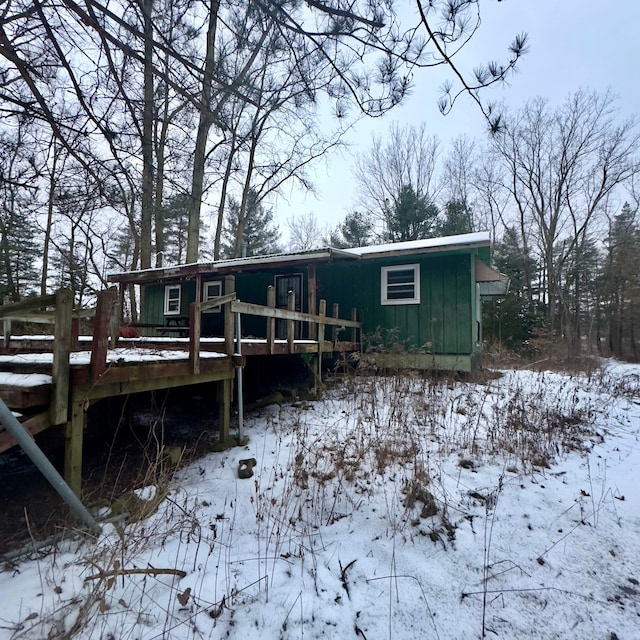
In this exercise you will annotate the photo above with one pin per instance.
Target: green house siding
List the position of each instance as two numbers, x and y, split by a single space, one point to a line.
442 323
153 311
250 286
445 323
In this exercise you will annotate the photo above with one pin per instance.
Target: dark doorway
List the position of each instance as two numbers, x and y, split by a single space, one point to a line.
284 284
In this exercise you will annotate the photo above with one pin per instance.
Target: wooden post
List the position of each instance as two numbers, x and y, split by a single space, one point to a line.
75 333
225 391
195 324
7 332
311 299
336 330
198 297
291 327
121 288
61 351
271 322
354 334
229 287
101 332
7 325
114 320
321 312
73 447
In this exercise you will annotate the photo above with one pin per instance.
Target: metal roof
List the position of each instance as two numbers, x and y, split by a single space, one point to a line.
447 243
230 265
326 254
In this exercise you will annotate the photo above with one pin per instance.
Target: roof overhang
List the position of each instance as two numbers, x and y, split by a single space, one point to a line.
230 266
490 282
463 242
432 245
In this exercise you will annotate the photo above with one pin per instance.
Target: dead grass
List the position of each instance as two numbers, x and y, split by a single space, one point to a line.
390 434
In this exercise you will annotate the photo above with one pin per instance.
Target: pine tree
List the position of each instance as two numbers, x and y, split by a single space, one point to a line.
622 285
19 252
412 218
174 214
261 235
356 230
511 319
457 219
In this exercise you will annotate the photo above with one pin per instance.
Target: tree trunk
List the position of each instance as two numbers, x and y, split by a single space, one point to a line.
204 124
47 230
147 140
223 198
237 248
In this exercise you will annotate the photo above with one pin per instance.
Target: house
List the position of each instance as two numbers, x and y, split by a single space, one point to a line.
419 301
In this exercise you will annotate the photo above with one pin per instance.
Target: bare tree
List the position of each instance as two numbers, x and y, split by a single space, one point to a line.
457 171
408 159
105 78
305 232
561 166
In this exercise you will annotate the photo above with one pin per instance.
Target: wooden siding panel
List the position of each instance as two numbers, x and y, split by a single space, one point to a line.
153 312
464 304
437 308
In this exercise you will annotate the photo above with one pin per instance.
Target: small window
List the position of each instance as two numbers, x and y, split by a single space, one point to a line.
401 284
211 290
172 296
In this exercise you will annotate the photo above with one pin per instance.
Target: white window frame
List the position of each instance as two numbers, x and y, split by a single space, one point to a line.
206 295
168 311
415 282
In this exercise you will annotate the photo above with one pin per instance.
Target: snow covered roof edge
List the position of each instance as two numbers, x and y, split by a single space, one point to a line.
480 238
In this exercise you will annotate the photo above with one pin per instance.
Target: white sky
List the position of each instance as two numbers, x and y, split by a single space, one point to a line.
573 44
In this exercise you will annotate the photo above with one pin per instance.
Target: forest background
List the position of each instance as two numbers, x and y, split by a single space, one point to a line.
146 133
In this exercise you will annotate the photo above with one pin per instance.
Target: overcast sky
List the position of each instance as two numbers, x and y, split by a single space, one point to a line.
572 44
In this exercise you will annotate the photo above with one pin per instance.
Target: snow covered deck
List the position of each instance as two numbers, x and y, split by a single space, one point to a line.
53 379
27 379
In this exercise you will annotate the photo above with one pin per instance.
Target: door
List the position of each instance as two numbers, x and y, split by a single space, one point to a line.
284 284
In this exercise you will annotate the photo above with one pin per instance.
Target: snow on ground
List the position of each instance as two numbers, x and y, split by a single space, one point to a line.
395 507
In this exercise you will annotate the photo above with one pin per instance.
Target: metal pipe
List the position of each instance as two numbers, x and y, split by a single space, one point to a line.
28 445
238 353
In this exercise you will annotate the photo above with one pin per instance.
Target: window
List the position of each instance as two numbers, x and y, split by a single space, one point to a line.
401 284
172 296
211 290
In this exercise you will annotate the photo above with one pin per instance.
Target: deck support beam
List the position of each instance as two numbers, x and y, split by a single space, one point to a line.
73 447
229 287
61 352
271 322
291 328
322 312
311 298
225 393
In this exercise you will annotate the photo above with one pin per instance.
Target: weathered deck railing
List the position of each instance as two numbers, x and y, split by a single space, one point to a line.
271 313
61 316
57 310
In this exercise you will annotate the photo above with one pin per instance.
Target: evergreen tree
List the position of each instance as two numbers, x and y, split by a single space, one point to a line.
578 291
19 235
457 219
356 230
261 235
174 214
512 318
412 218
622 285
19 252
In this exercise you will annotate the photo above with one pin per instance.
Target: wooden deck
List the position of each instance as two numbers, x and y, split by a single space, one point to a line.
51 380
